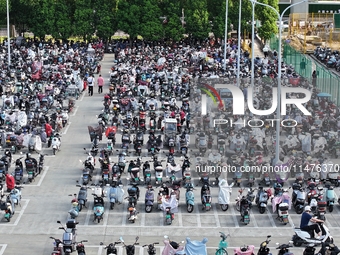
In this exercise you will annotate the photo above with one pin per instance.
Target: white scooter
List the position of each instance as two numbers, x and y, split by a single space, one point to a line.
15 195
303 237
224 194
173 172
56 143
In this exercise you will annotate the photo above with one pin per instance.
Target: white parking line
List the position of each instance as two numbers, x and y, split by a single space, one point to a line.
3 248
271 219
46 168
100 250
234 216
75 109
120 252
82 97
290 221
252 217
21 211
125 204
88 215
141 251
68 125
106 216
179 216
198 216
142 220
217 220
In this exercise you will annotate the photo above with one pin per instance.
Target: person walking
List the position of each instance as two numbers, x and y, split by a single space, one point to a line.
90 84
314 77
100 83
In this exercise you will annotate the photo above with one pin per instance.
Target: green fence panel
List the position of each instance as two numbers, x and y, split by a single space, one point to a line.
326 81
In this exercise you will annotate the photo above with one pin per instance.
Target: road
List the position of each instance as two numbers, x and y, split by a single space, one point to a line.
47 200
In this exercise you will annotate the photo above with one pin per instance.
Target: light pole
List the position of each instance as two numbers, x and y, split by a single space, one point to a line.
225 36
8 36
278 109
239 43
252 44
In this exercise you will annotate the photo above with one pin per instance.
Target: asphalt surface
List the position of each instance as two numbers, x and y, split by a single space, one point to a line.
47 200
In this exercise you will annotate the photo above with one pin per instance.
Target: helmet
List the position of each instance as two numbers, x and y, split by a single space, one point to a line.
307 208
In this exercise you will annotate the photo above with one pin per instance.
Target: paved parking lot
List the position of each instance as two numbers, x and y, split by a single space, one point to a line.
47 200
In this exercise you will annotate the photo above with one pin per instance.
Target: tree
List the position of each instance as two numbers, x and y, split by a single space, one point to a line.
197 24
105 18
151 25
173 27
63 19
268 18
41 21
129 16
83 20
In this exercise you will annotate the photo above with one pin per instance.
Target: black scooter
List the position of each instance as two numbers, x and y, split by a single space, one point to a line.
130 249
284 248
151 248
80 247
111 248
264 250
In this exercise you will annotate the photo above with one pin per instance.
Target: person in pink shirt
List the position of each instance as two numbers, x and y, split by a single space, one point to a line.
100 82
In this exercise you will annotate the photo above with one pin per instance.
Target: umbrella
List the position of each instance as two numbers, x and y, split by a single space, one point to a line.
323 94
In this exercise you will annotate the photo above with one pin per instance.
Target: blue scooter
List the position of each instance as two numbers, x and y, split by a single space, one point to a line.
196 247
15 195
98 208
190 197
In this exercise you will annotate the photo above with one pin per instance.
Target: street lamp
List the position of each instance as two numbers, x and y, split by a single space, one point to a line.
239 44
225 36
8 38
278 109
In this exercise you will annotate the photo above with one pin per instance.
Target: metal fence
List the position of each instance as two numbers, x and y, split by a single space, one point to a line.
326 81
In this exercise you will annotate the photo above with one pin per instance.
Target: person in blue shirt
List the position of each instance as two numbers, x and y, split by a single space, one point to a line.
305 219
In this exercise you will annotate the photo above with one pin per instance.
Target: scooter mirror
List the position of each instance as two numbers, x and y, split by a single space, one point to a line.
84 241
269 236
182 241
80 161
78 185
121 239
166 237
137 237
101 243
59 222
277 243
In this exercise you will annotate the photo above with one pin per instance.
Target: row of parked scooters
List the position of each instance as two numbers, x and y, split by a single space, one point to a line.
68 244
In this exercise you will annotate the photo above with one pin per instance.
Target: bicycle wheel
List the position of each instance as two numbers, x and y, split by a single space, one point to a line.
238 206
221 252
